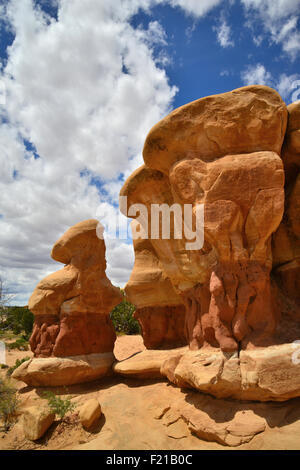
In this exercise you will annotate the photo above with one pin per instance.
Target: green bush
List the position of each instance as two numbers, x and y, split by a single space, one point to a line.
17 364
20 319
17 319
122 318
7 335
8 403
58 405
20 343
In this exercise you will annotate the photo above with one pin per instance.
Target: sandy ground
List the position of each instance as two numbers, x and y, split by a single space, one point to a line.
131 409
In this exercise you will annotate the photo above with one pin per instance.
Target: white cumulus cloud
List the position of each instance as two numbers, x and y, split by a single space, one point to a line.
256 75
288 86
280 20
82 93
223 31
197 8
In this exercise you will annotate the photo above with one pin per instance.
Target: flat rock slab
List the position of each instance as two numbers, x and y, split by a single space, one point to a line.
57 371
262 374
146 364
226 422
214 423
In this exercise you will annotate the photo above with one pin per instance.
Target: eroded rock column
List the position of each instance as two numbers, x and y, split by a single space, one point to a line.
241 289
159 310
222 152
73 337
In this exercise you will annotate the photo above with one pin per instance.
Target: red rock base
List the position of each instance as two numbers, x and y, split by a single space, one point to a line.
235 310
162 327
72 335
44 334
288 279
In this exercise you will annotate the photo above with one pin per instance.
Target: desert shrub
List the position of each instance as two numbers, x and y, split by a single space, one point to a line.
7 334
122 318
17 364
20 343
18 319
58 405
8 403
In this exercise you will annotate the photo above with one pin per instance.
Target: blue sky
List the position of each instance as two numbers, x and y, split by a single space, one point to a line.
200 66
81 84
197 59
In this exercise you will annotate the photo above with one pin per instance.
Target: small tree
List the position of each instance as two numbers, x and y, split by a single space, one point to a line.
5 299
58 405
122 317
17 364
16 318
8 403
20 319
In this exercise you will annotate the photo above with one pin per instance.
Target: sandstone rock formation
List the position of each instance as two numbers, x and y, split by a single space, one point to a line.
230 153
159 309
286 241
246 120
72 306
147 364
221 151
220 317
71 309
241 429
57 371
261 374
216 422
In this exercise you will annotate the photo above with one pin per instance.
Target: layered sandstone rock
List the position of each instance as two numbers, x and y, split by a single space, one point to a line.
146 364
246 120
286 241
162 327
221 152
72 306
224 153
57 371
262 374
159 309
234 299
291 147
212 420
71 309
243 199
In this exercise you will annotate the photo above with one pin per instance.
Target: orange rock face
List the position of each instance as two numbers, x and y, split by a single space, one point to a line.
286 241
246 120
159 309
72 306
223 152
162 327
